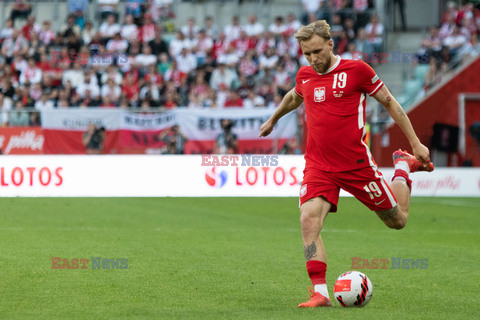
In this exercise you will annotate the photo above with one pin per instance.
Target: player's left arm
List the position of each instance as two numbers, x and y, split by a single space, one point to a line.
396 111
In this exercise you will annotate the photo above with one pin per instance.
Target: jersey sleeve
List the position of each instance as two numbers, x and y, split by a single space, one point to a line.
370 83
299 83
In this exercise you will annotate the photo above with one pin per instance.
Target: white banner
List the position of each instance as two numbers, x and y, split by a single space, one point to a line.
205 124
200 124
79 119
185 176
141 122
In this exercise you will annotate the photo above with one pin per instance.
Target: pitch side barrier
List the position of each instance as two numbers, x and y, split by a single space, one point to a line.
190 176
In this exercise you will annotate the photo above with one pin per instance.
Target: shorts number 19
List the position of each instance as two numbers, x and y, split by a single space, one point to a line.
373 189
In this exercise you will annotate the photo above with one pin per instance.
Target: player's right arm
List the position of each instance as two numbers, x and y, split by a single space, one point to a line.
290 102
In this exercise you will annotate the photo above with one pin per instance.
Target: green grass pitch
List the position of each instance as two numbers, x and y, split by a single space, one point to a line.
228 258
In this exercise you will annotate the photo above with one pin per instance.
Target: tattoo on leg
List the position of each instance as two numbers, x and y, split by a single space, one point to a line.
310 251
388 214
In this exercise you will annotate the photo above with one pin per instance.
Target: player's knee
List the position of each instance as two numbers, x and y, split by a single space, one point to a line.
397 224
310 221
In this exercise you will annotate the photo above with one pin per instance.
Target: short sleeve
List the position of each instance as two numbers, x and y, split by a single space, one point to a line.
370 83
299 84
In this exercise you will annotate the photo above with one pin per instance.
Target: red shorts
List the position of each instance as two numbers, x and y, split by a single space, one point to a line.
365 184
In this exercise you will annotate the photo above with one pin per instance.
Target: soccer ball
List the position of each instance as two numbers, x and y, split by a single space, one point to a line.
353 289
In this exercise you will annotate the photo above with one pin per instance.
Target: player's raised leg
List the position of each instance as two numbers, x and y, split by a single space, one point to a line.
405 163
312 215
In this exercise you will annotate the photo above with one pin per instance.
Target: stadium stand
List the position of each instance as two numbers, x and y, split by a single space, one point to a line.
444 48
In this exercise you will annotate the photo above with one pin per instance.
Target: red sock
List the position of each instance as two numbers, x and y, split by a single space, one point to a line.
403 174
316 271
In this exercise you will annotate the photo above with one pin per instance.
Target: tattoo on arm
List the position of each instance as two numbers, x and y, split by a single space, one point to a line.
388 214
401 112
310 251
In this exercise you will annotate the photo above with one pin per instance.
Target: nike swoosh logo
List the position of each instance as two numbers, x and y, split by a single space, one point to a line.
305 81
377 203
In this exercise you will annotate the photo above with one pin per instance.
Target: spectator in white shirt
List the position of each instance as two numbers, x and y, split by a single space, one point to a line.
230 58
222 76
46 34
6 104
129 30
112 90
190 30
44 103
351 53
90 86
31 73
178 43
117 44
253 100
7 31
277 27
112 73
186 61
253 28
145 58
88 32
109 28
202 47
232 31
268 60
293 25
150 91
15 44
374 30
5 107
211 28
75 75
455 41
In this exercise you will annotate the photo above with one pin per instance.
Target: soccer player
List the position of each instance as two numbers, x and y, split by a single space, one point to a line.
334 92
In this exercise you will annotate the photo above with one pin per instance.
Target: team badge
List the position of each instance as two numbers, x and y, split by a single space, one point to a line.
303 190
319 94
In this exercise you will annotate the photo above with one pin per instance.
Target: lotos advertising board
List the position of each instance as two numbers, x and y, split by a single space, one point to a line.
189 176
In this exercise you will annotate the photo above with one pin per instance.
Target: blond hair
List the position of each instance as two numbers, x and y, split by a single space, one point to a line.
320 28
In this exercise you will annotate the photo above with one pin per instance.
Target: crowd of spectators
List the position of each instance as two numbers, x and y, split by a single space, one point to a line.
125 61
446 46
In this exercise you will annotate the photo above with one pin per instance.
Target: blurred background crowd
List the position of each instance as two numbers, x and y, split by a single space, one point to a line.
134 58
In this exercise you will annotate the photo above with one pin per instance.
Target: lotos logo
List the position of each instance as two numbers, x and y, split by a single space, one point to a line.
215 179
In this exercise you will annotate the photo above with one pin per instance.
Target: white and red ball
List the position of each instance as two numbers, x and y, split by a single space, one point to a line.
353 289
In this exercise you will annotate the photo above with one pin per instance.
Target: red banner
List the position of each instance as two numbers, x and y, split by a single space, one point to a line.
70 142
21 140
138 142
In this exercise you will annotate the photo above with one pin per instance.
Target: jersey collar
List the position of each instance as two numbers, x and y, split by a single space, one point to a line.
332 67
